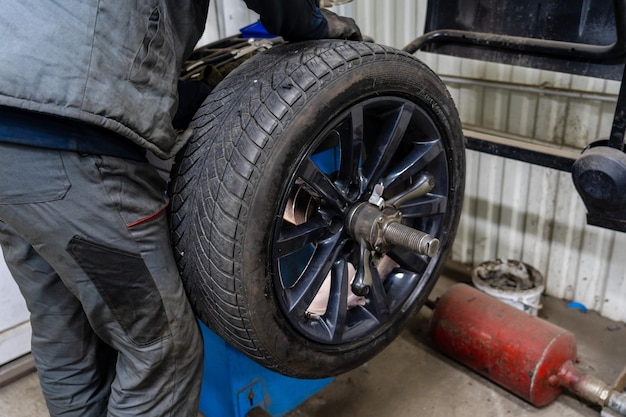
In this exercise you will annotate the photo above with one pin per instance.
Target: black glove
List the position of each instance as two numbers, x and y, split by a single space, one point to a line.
340 27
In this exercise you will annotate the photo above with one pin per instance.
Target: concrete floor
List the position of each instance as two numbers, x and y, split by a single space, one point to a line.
409 378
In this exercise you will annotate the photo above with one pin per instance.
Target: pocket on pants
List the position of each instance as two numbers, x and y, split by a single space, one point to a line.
127 287
135 189
31 175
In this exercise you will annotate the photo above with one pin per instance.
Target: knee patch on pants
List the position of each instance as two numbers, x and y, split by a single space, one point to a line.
127 287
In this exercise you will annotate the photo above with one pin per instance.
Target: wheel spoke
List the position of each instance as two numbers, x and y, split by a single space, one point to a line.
319 185
428 205
408 260
367 319
386 144
351 144
293 238
418 159
378 303
335 317
300 296
398 286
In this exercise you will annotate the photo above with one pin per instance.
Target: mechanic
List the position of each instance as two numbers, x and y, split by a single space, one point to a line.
86 88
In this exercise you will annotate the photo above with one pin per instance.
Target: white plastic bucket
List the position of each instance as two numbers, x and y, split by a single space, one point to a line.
512 282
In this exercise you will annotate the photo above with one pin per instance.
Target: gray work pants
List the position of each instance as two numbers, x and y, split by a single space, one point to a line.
86 239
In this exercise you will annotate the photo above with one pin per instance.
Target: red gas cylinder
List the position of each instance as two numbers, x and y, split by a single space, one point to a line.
520 352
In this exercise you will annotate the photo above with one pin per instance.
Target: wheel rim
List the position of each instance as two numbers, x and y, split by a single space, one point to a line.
383 142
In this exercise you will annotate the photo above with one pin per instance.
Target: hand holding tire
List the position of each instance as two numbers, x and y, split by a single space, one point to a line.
340 27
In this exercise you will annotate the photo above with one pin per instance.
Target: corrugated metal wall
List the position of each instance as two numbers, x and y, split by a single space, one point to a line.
515 210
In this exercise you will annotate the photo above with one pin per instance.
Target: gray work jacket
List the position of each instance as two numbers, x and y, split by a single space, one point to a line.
113 63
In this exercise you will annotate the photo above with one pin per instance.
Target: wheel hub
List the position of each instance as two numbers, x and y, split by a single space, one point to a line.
378 223
382 230
377 226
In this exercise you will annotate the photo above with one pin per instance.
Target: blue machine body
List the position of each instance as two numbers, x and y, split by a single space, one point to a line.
233 384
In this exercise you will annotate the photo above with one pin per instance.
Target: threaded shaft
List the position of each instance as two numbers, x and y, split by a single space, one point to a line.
411 239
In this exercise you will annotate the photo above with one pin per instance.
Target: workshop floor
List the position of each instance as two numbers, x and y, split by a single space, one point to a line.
409 378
